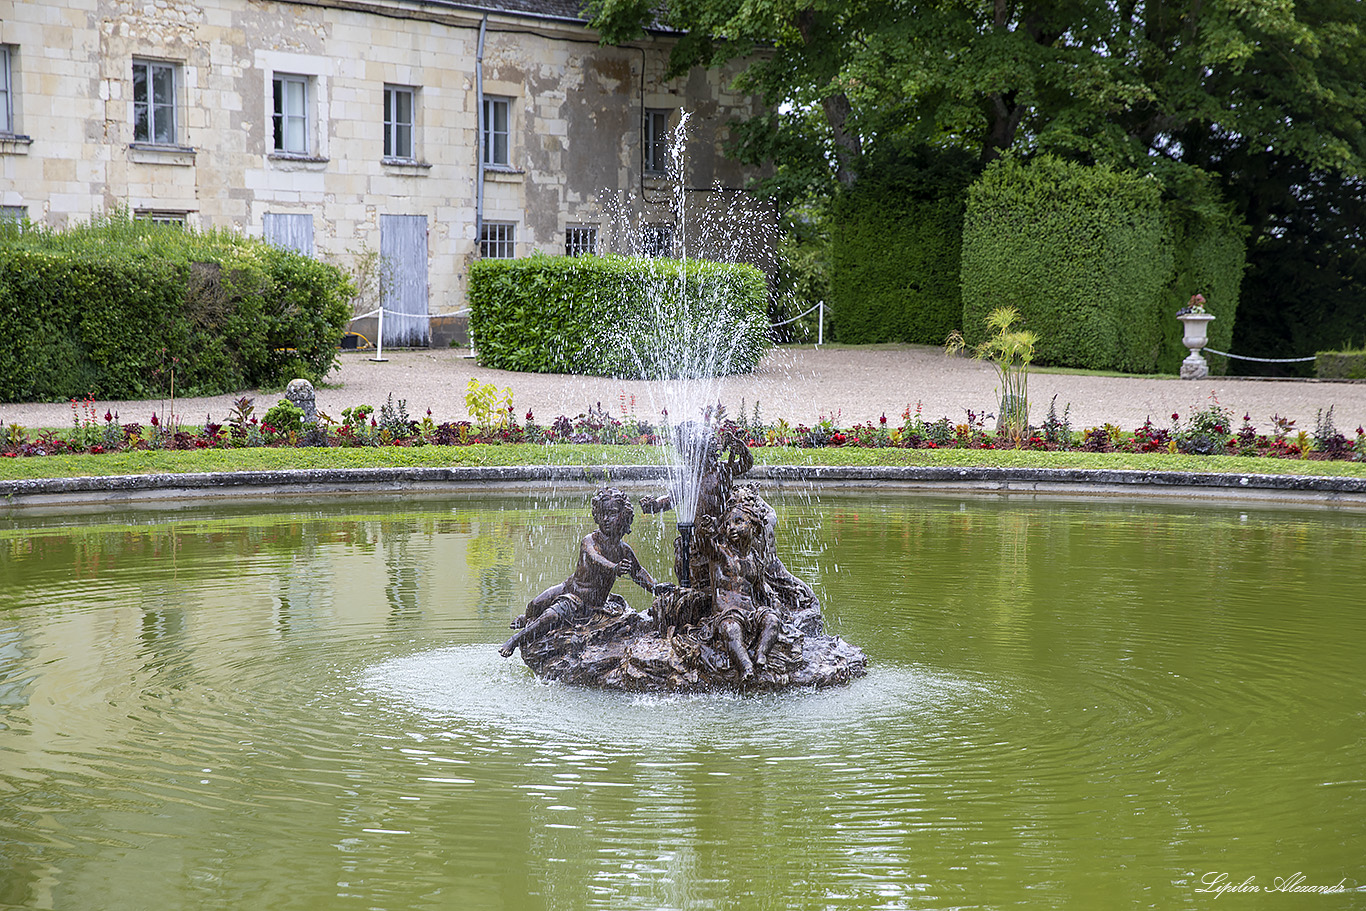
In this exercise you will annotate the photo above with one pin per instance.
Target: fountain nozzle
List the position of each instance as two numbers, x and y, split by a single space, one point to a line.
685 553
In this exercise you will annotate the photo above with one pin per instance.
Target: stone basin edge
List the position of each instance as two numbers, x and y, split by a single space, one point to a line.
94 491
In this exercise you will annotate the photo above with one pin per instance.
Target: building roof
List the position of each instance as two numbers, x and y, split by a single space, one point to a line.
571 10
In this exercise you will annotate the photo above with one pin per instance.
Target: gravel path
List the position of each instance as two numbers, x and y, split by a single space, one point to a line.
801 384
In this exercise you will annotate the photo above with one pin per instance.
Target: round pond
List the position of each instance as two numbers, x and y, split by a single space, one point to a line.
1069 704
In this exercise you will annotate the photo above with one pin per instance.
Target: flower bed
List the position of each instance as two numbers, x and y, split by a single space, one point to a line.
1209 431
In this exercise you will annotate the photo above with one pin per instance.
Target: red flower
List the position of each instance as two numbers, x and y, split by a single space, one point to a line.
1175 416
155 422
883 419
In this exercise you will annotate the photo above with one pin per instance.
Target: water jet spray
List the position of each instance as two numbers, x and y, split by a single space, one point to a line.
685 537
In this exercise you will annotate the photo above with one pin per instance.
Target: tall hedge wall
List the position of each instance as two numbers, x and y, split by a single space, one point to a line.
1098 261
1209 251
1079 251
618 316
110 309
895 250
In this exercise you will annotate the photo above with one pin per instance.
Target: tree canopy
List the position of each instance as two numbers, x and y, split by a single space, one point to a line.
1147 84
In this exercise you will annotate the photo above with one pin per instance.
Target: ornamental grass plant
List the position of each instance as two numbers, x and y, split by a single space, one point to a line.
1010 350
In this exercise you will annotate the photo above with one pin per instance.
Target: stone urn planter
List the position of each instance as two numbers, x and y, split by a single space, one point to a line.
1195 336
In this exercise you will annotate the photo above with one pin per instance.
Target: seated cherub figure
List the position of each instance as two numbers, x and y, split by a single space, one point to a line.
722 457
603 556
741 606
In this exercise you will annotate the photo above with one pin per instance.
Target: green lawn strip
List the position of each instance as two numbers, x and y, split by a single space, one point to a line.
264 459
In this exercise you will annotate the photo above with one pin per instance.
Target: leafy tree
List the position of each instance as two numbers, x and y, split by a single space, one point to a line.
1134 83
1305 289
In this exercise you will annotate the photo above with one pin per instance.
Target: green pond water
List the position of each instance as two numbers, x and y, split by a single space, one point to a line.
1070 704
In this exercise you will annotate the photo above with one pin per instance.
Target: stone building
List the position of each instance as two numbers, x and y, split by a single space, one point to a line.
418 134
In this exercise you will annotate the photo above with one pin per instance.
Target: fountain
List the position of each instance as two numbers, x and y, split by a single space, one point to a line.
737 619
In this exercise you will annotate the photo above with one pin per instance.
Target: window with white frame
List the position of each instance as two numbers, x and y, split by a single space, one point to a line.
497 240
657 140
496 131
13 215
657 240
154 101
399 118
580 240
6 91
290 113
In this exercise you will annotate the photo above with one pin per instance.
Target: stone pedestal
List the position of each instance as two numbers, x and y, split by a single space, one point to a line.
1194 367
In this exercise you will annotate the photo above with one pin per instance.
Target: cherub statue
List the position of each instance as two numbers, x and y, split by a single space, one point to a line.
697 441
725 457
603 556
741 604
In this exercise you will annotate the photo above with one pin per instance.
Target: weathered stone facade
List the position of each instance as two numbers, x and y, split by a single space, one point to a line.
575 140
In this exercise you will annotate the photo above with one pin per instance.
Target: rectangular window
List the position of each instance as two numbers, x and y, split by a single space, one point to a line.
290 117
168 217
580 240
6 92
497 239
154 94
496 131
657 141
398 122
13 215
657 240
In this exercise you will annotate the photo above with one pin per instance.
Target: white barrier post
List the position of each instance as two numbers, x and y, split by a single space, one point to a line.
820 325
379 339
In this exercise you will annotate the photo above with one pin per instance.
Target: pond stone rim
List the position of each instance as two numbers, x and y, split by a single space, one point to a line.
380 481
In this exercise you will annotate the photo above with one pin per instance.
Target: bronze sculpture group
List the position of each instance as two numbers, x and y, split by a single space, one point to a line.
741 621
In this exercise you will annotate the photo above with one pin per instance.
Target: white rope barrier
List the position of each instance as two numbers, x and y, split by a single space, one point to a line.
1263 360
820 305
426 316
379 334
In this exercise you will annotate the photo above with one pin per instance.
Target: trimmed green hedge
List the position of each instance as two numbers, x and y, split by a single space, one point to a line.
1079 251
1340 365
1098 261
895 251
111 309
618 316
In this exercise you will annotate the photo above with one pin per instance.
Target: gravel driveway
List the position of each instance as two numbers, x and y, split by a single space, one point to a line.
801 384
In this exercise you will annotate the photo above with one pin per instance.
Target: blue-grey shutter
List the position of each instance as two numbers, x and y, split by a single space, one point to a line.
290 231
403 249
